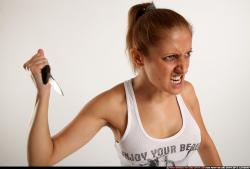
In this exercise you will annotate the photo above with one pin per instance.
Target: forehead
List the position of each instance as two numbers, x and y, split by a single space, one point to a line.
175 41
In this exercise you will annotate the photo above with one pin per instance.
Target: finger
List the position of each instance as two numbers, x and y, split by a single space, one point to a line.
34 58
42 65
39 54
40 51
41 61
35 69
27 63
37 63
27 68
24 66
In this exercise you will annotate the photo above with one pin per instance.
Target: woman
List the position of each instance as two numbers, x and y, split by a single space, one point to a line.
155 116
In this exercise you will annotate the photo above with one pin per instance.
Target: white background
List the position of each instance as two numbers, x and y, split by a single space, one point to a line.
85 42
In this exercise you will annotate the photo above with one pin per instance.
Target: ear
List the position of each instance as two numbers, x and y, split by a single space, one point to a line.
137 57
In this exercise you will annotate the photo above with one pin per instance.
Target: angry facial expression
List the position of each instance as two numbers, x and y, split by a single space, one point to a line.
168 62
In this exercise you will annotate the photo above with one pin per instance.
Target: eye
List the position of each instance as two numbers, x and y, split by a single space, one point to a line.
189 54
170 58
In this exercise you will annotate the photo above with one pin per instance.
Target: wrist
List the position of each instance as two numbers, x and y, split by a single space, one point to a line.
43 94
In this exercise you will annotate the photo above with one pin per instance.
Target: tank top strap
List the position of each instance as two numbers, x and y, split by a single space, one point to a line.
129 95
182 105
131 115
131 102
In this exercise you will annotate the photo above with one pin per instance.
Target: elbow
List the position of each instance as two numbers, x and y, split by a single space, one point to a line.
41 161
40 156
206 145
38 163
206 142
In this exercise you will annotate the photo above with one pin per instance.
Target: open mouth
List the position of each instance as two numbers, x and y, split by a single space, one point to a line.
176 79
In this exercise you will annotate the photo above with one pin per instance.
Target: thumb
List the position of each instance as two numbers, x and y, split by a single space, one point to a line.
40 52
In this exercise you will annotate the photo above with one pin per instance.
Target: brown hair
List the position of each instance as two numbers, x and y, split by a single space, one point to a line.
147 27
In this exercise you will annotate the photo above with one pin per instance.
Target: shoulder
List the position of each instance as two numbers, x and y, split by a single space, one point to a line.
109 102
114 96
188 88
189 96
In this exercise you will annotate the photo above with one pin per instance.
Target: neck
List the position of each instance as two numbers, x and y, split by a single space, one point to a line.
144 88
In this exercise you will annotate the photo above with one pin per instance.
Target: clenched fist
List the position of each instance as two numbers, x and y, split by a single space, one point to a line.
35 65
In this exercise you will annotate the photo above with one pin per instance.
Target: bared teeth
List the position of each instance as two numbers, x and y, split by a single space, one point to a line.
176 82
176 79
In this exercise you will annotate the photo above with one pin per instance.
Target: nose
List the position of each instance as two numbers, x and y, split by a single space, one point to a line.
182 66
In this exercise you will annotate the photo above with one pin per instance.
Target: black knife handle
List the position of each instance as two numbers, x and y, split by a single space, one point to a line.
45 74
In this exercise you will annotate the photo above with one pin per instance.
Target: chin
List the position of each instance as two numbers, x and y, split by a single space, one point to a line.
175 89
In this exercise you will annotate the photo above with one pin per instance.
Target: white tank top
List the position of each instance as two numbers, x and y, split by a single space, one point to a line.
137 148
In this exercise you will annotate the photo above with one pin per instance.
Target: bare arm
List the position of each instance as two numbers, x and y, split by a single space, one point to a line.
207 149
39 142
81 129
40 145
44 150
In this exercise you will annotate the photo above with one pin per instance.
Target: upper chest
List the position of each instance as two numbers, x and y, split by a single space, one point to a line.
159 120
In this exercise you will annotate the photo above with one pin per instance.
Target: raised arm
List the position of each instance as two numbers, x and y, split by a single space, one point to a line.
45 150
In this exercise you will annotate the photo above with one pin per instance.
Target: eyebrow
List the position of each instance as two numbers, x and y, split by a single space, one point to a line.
190 50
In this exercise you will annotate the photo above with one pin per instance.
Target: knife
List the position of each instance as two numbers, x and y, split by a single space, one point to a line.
47 77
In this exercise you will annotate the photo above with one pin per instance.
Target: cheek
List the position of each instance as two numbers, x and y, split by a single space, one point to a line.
162 71
165 69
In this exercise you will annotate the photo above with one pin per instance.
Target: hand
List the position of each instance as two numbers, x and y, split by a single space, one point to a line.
35 65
